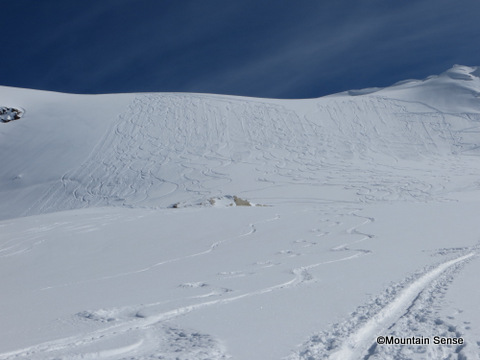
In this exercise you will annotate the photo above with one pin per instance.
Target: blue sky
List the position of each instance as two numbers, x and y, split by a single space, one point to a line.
276 48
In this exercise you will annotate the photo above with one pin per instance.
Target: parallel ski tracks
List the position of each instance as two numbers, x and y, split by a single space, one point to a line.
359 341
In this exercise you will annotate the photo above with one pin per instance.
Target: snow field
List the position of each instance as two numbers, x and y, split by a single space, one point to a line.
119 237
288 283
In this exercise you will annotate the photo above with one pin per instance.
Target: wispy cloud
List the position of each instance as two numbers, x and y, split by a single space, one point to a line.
378 41
274 49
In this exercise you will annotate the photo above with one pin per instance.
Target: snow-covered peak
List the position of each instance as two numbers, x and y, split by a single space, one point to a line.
462 72
455 90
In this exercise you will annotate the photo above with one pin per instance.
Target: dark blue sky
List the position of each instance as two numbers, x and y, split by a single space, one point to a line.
277 48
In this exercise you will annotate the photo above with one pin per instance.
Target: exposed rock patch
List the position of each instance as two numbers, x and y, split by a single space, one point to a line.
8 114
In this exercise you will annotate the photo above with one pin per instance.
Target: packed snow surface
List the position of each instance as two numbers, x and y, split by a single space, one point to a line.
196 226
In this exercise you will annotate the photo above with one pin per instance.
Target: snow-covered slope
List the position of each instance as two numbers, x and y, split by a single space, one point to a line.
158 149
370 201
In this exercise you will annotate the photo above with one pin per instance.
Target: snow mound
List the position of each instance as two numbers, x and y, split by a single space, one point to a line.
218 201
228 200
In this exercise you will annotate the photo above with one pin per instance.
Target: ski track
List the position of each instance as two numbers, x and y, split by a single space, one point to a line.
213 246
406 307
135 164
146 325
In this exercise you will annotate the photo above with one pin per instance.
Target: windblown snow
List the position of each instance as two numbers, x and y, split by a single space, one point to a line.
123 235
